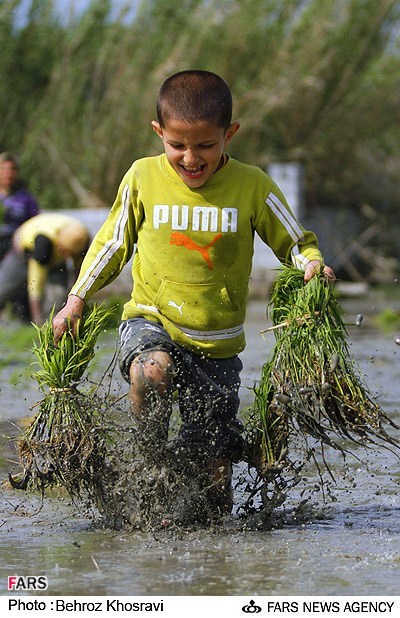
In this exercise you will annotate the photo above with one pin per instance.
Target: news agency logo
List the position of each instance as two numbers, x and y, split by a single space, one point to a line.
251 608
27 582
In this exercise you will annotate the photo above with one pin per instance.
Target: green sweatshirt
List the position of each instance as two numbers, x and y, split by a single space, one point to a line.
193 249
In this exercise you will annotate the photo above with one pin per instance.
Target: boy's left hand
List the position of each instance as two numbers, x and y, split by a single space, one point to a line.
314 267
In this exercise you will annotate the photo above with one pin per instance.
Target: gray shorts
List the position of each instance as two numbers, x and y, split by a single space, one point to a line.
207 388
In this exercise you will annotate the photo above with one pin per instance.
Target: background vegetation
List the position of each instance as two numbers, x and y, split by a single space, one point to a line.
314 82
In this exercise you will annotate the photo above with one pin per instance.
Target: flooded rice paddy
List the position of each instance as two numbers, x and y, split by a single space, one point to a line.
348 544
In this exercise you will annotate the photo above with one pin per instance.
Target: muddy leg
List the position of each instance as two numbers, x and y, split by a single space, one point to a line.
151 375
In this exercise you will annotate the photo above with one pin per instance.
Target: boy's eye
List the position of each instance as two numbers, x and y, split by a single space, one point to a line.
200 146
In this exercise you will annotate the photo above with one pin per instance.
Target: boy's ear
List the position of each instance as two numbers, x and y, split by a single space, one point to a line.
157 128
234 127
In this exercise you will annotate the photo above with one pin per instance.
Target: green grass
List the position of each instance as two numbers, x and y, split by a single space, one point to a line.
66 441
63 365
16 342
310 384
388 320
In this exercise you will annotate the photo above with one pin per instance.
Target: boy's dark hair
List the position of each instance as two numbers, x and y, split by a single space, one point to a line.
193 96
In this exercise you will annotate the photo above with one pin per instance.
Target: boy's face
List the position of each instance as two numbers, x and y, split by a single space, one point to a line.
194 150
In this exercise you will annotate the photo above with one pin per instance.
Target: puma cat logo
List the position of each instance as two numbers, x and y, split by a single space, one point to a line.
181 240
172 303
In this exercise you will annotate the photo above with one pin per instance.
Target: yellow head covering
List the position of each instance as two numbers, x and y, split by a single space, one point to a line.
73 238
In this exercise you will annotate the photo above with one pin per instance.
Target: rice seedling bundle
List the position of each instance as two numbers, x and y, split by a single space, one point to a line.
66 441
310 384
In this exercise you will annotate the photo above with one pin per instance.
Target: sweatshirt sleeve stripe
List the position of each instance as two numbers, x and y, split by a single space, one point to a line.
285 217
102 259
298 258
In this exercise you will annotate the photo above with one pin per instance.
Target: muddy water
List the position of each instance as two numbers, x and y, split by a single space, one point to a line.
347 545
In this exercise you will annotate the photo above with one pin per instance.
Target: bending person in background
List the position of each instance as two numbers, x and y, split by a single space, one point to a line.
50 246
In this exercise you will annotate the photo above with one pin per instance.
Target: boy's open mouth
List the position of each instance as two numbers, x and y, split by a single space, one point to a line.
193 172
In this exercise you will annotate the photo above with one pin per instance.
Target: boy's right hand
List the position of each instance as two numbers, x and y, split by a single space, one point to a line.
68 317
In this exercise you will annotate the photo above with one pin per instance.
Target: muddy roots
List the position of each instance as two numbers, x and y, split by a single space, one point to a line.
65 444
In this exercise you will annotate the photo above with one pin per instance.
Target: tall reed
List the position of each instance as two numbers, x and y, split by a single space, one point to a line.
318 83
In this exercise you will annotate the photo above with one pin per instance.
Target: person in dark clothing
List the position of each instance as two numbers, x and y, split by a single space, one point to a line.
17 205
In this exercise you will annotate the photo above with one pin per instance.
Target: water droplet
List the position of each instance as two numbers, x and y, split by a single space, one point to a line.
305 389
282 398
334 362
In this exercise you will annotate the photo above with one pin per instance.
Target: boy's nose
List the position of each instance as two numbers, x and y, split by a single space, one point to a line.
189 157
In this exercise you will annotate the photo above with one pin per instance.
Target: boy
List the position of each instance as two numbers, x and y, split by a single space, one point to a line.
192 213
